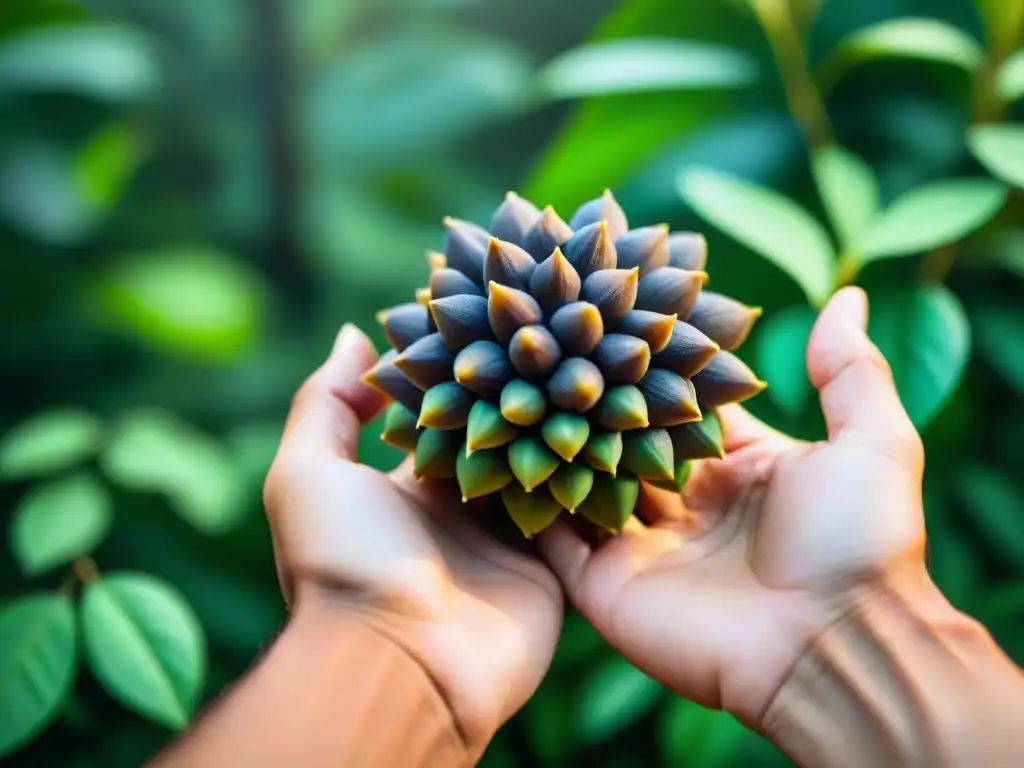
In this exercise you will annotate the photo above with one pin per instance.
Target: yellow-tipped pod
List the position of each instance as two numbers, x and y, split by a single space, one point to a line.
611 502
671 399
482 472
622 408
670 291
623 359
446 406
577 385
404 324
534 351
698 439
644 247
613 292
483 368
555 282
591 249
566 434
522 403
688 250
445 282
604 208
725 321
513 219
436 454
532 462
465 244
487 428
687 351
386 377
400 428
603 451
461 320
531 512
571 484
653 327
726 379
508 264
647 453
547 233
509 309
578 327
427 362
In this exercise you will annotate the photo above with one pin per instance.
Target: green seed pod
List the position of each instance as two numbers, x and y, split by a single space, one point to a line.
509 309
534 351
465 244
445 282
724 320
603 208
400 428
647 453
652 327
549 232
645 247
387 378
591 249
446 406
522 403
427 362
571 484
622 408
622 359
576 385
698 439
483 368
404 324
578 327
482 472
726 379
436 454
613 292
461 320
611 502
603 451
687 250
670 291
687 351
513 219
531 512
566 434
555 282
683 468
487 428
670 398
508 264
532 462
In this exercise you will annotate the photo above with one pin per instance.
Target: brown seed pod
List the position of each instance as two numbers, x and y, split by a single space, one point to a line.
622 359
555 282
726 379
613 292
591 249
578 327
722 319
548 233
670 291
604 208
645 248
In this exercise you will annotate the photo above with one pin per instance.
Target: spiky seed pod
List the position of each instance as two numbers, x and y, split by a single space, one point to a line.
559 367
726 379
645 248
578 327
687 250
722 319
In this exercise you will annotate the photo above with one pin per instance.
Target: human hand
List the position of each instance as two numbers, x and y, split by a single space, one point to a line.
716 594
405 556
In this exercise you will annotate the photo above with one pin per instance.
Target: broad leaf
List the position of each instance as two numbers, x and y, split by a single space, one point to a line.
999 329
1003 602
548 720
848 189
1000 148
1010 78
1008 250
782 354
924 334
930 216
48 442
144 645
60 521
1004 21
697 737
643 64
766 222
614 695
954 561
193 302
995 507
37 666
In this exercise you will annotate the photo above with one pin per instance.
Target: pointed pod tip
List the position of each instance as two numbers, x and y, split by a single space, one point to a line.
704 277
448 221
465 499
381 316
511 195
756 312
423 296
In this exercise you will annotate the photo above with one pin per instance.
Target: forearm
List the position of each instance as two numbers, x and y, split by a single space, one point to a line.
331 692
905 683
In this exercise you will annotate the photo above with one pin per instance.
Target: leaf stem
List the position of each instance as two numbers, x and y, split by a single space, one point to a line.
85 569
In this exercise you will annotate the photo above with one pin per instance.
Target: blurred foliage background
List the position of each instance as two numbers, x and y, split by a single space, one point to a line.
195 196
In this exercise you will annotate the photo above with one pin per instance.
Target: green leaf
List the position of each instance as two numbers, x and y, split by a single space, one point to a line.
613 696
642 64
144 645
102 61
1010 77
1003 602
1008 250
910 38
768 223
37 666
17 15
106 163
782 354
153 450
548 720
59 521
1004 21
48 442
924 334
192 302
1000 148
955 562
849 191
697 737
932 215
999 329
994 507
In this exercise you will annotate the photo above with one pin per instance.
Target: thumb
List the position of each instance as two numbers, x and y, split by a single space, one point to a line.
855 383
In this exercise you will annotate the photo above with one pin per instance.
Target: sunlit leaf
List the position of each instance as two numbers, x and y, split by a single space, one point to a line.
144 645
692 735
37 666
999 329
194 302
995 507
929 216
641 64
782 354
924 334
59 521
1010 78
105 164
1008 250
614 695
766 222
103 61
49 441
152 450
848 189
1004 21
1000 148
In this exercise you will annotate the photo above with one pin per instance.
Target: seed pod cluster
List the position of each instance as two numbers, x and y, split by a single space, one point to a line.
558 365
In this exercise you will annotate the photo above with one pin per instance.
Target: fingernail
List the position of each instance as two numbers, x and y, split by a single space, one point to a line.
852 303
346 339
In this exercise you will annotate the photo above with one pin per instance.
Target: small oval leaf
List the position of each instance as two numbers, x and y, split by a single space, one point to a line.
848 188
999 329
48 442
782 354
614 695
1010 78
698 737
1000 148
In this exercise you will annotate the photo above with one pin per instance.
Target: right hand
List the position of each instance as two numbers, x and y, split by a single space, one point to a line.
717 593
